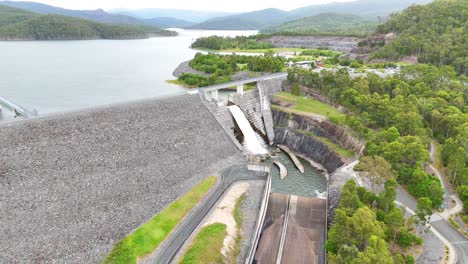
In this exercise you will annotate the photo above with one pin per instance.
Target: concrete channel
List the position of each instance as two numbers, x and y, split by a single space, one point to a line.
294 230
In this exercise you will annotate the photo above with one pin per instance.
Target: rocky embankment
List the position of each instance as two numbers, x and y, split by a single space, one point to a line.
366 46
72 185
343 44
295 131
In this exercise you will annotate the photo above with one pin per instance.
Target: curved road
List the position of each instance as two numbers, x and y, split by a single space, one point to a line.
438 221
176 239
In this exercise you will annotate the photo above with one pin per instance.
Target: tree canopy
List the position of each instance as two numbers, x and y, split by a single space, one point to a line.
435 33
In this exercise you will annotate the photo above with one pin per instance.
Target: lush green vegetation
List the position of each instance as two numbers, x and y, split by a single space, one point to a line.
435 33
207 246
303 104
228 43
239 218
221 67
399 115
366 227
321 52
17 24
326 24
147 237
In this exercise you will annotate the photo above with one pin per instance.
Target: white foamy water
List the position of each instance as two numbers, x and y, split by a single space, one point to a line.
252 143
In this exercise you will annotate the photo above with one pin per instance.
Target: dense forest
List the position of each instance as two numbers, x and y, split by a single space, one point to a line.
17 24
435 33
369 228
225 43
326 24
400 115
221 67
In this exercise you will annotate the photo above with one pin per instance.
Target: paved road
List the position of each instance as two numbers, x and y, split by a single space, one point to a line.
458 241
242 82
175 241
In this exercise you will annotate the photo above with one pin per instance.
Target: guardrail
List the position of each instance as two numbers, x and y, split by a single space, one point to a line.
242 82
261 219
16 108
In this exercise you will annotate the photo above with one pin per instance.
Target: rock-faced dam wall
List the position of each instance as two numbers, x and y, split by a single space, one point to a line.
72 185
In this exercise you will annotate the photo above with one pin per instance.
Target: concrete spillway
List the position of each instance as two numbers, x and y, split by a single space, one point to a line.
294 231
252 143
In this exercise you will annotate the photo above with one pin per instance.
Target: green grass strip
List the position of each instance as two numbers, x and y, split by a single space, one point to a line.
147 237
207 246
302 104
238 214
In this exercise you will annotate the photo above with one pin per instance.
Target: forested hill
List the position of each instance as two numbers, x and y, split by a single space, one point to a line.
246 21
17 24
98 15
369 9
326 24
435 33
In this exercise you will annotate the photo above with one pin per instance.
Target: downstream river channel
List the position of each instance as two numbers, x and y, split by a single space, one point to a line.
58 76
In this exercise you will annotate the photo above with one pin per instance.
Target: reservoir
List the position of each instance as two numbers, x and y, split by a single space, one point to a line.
58 76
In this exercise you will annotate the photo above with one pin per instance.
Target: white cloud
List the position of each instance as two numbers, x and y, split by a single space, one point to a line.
211 5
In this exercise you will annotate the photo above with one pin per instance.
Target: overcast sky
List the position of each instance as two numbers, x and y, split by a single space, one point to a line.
212 5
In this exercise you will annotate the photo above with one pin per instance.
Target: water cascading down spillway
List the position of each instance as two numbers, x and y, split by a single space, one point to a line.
252 143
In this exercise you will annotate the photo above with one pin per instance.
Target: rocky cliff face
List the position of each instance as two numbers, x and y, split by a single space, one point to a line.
343 44
309 147
321 128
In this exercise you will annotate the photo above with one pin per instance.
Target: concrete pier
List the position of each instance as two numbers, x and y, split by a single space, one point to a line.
293 157
282 168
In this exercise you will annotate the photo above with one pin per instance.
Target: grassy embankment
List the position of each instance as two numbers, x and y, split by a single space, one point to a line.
308 106
206 248
239 218
149 236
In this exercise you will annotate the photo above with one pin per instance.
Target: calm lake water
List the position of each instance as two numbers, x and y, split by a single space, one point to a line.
57 76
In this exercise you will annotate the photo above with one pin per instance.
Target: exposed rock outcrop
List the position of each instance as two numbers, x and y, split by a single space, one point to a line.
343 44
309 147
320 128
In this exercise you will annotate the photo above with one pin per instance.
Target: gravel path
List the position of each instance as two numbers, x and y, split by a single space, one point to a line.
72 185
250 208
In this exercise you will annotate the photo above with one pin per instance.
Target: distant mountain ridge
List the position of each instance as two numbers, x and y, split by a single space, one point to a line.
245 21
369 9
195 16
194 19
18 24
326 24
98 15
